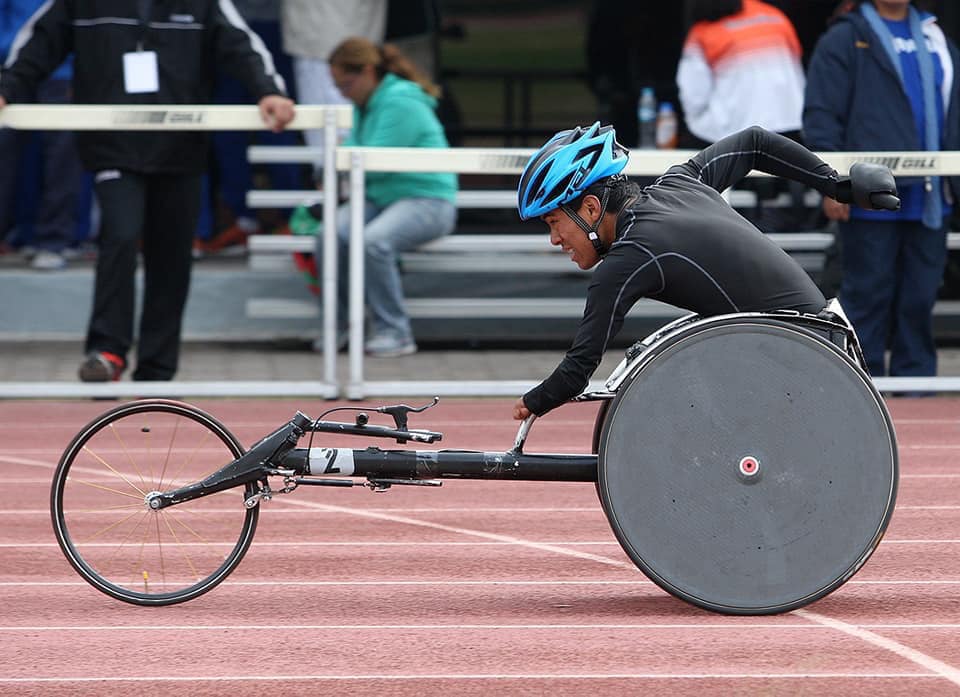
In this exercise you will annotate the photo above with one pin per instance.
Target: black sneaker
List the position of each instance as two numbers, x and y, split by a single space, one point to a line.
101 366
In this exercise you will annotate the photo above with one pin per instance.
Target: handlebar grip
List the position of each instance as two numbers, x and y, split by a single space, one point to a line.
885 201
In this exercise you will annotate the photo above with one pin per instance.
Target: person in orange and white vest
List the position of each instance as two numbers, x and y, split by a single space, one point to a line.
741 66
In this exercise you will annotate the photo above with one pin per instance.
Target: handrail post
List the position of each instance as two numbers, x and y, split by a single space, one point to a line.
330 251
355 388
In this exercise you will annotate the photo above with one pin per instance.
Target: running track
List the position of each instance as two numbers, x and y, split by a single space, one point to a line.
476 587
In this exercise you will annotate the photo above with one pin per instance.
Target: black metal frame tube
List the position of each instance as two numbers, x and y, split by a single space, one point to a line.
459 464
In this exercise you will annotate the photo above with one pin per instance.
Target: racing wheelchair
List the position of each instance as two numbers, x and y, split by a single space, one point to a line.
745 462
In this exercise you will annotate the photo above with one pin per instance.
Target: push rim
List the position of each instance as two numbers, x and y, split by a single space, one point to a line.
109 534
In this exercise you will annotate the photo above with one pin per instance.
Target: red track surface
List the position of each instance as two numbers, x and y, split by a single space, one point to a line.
476 587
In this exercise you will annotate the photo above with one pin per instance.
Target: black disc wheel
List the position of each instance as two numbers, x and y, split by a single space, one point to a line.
107 530
748 466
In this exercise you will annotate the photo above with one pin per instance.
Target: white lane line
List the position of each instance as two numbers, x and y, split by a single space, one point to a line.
278 508
948 475
480 676
395 543
918 542
921 659
732 626
271 510
475 582
472 533
921 420
29 462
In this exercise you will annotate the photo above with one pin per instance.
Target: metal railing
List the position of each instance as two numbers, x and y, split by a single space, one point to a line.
195 117
357 161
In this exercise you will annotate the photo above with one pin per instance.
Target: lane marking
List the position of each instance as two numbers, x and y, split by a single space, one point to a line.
278 508
395 543
806 626
482 676
923 660
285 510
476 582
473 533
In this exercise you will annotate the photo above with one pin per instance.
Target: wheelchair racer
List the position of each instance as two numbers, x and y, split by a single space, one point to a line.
677 240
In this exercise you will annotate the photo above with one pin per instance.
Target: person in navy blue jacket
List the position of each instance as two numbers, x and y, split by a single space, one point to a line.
55 218
882 78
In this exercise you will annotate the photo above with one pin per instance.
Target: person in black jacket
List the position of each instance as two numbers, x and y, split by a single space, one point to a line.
677 240
148 184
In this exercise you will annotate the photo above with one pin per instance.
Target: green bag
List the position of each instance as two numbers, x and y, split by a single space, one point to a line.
302 222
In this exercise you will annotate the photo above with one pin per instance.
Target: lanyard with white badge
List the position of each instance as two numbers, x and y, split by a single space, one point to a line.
140 72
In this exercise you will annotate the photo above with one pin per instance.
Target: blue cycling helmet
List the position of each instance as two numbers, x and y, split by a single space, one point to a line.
566 165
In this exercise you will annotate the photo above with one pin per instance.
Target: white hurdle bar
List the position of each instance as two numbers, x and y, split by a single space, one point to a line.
359 160
199 117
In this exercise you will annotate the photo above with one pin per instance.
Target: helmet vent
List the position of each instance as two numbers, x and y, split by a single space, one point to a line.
536 186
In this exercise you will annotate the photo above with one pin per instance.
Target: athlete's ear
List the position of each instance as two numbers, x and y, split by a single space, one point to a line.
590 209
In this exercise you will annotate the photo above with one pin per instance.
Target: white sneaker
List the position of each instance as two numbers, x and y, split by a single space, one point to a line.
389 346
48 261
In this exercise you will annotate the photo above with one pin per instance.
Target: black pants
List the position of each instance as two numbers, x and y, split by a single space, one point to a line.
156 214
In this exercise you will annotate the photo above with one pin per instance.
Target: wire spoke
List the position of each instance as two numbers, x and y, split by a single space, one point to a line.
107 488
120 507
109 467
182 547
110 527
166 459
163 568
207 433
125 540
126 451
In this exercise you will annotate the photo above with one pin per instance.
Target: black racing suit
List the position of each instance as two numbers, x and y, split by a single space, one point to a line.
681 243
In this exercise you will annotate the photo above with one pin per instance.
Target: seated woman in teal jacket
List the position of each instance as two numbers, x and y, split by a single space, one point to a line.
394 107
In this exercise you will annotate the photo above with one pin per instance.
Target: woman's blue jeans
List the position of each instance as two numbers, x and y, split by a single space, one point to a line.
389 231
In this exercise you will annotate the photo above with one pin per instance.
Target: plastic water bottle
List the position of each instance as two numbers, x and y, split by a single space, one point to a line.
647 118
666 126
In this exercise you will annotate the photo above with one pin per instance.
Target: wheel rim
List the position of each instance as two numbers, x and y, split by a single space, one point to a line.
764 477
107 530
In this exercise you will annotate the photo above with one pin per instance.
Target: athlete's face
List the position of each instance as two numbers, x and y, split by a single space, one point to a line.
567 235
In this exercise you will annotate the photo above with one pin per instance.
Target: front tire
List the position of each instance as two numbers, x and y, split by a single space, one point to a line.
105 527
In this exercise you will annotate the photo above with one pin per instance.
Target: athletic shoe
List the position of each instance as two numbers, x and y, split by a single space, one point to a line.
389 346
45 260
101 366
233 238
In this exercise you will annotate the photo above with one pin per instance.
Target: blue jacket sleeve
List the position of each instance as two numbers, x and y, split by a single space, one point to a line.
829 90
39 47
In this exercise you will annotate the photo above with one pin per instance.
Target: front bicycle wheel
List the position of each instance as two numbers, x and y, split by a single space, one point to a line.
114 540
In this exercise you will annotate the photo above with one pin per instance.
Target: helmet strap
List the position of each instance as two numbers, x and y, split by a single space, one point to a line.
591 230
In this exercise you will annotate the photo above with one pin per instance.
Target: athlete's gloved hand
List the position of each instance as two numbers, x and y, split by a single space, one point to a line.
869 186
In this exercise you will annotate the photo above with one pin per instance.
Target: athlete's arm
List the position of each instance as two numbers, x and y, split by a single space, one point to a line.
730 159
626 274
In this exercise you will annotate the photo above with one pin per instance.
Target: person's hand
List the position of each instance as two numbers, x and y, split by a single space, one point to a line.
520 411
276 111
3 102
834 210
